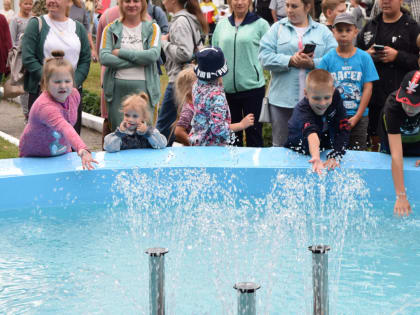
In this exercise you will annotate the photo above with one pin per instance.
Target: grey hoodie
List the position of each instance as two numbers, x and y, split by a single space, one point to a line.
179 50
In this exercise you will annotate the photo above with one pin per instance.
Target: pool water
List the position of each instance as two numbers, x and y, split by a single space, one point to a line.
89 258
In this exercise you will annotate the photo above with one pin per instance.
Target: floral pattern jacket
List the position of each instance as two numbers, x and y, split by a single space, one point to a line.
210 124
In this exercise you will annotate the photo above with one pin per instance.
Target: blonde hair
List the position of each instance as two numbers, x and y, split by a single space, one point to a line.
319 77
229 2
143 11
330 5
183 91
183 86
52 65
22 1
138 102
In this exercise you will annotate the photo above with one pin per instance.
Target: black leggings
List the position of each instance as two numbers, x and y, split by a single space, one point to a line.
242 104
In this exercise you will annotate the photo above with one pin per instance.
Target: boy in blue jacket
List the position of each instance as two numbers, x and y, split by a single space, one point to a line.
319 122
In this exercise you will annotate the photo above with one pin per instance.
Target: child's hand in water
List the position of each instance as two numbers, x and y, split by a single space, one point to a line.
402 207
142 127
87 159
248 121
331 164
317 165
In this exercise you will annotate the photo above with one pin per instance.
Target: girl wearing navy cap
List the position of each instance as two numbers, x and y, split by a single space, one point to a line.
211 123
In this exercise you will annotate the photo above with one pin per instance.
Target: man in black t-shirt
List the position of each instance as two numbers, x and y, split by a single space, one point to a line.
400 133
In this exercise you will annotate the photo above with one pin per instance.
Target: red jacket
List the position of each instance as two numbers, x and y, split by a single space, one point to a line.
6 43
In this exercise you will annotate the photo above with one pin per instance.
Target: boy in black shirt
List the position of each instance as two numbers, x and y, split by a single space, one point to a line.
400 133
319 122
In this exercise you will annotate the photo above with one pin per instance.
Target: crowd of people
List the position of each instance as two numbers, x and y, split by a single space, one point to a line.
347 83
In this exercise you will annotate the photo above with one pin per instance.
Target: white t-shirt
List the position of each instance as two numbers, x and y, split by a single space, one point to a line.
62 36
302 72
131 40
8 14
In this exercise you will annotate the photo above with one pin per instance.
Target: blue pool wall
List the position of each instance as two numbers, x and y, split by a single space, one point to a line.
60 181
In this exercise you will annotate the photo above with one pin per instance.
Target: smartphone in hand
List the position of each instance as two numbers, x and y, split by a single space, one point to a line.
378 48
309 48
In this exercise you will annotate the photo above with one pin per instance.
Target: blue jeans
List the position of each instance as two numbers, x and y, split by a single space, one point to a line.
167 114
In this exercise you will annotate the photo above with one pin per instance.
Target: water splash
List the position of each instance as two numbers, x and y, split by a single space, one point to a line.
211 226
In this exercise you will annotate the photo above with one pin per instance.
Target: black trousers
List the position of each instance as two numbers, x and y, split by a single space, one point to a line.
242 104
78 125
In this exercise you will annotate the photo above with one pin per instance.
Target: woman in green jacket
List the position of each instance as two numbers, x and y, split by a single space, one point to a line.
55 31
239 37
130 49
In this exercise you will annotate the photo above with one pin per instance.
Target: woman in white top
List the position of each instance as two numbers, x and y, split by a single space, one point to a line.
130 48
55 31
78 12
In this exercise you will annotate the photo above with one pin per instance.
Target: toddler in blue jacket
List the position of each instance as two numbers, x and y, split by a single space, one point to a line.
134 131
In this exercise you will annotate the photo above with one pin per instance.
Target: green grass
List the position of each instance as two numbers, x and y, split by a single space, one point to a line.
8 150
93 81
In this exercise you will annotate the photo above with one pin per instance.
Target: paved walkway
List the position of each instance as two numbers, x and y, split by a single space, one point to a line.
12 123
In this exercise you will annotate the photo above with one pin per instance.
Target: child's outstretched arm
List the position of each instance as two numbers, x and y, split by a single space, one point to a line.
246 122
313 141
51 116
155 138
87 159
402 205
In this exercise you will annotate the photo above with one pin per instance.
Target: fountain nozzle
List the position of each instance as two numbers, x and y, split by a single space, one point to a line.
157 280
320 278
246 297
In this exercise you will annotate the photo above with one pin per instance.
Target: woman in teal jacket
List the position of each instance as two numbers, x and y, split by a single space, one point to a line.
281 52
239 36
55 31
130 49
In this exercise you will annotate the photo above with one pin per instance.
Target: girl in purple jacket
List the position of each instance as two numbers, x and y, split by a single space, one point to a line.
50 131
